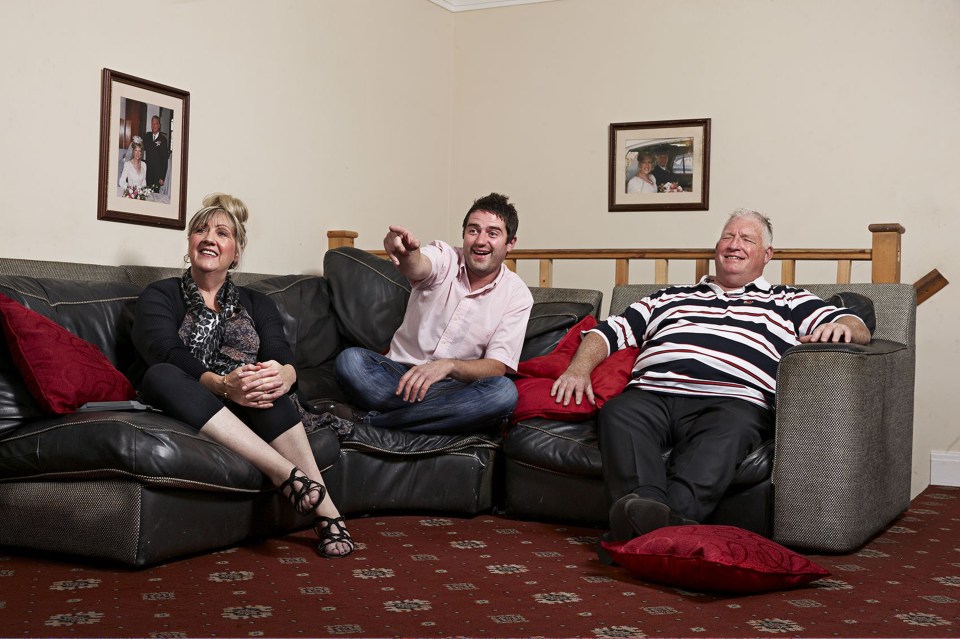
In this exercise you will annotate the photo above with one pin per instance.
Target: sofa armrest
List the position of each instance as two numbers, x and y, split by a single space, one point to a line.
844 437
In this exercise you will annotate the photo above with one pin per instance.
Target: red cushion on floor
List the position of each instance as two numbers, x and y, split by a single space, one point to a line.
61 370
721 558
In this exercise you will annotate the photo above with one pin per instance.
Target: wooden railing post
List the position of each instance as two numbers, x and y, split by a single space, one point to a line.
702 268
844 271
622 272
886 253
546 273
788 271
661 271
336 239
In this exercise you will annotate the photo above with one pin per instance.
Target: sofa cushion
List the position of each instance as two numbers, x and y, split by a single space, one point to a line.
62 371
572 448
148 447
100 312
537 376
859 305
368 320
719 558
308 320
549 322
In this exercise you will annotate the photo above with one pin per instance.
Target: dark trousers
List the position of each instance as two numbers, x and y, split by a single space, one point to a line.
709 437
179 395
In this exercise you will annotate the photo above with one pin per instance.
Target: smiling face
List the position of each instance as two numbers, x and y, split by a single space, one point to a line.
155 125
485 246
212 246
646 164
741 252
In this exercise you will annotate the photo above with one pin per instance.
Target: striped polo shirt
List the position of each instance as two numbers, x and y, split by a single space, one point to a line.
703 341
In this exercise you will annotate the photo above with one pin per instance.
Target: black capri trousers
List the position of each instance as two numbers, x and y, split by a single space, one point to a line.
170 389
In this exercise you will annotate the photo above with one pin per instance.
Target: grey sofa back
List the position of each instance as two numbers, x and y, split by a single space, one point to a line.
895 305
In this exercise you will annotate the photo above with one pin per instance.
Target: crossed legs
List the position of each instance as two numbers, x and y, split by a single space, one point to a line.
275 448
449 407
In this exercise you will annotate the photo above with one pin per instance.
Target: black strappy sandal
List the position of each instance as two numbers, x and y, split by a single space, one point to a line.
334 532
307 487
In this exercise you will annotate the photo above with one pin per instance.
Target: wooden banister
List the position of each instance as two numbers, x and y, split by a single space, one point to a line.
884 256
886 252
336 239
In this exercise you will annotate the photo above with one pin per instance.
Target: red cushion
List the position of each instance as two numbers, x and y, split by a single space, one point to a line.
61 371
538 374
722 558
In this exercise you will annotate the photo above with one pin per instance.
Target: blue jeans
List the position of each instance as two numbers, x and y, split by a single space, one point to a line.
449 407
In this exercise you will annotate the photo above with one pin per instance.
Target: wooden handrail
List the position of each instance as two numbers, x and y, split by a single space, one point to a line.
884 256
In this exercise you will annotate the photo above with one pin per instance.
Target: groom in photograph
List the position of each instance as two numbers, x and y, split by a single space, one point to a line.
156 150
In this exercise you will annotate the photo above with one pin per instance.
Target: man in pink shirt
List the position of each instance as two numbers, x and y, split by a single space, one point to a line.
461 334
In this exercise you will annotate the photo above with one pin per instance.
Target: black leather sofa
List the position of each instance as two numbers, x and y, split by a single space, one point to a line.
140 487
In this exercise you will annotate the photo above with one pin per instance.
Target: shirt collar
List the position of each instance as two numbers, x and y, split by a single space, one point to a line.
760 283
465 278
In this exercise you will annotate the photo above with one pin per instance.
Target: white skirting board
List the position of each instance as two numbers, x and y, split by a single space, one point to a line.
944 468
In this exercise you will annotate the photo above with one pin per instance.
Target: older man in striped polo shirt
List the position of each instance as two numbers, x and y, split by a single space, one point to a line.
703 383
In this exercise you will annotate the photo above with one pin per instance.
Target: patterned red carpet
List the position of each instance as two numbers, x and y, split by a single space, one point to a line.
422 576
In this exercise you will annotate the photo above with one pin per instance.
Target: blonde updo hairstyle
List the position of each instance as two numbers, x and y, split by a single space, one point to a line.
233 208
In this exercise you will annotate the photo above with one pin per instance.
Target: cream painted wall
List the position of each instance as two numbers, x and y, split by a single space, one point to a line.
829 116
320 114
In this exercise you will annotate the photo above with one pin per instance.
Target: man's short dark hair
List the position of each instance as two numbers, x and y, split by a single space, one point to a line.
499 206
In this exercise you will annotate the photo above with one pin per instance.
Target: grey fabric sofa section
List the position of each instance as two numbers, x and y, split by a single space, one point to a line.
836 473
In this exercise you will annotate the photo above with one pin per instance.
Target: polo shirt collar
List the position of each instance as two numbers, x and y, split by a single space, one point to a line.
760 283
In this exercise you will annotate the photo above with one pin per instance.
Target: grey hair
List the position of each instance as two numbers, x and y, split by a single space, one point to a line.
765 224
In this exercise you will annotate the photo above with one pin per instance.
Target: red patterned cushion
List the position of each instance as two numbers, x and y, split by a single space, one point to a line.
722 558
538 374
62 371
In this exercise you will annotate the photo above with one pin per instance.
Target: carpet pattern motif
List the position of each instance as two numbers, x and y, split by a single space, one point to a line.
429 576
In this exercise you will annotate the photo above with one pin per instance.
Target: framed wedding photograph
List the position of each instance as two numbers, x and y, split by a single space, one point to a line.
144 129
660 165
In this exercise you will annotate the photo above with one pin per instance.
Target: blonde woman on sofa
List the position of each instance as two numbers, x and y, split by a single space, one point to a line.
219 361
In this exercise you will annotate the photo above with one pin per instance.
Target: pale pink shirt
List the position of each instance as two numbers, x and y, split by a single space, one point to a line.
445 320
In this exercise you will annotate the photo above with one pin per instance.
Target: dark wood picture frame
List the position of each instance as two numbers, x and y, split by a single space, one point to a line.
685 180
128 106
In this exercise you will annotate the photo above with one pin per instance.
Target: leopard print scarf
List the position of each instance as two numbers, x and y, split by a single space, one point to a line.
227 340
204 330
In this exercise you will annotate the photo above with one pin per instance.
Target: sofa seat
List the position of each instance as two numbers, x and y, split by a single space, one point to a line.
151 447
392 470
544 453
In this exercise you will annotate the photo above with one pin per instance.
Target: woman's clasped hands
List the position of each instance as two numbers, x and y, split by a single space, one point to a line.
258 385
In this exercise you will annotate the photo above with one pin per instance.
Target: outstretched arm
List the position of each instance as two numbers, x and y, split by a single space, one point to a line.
403 248
575 381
